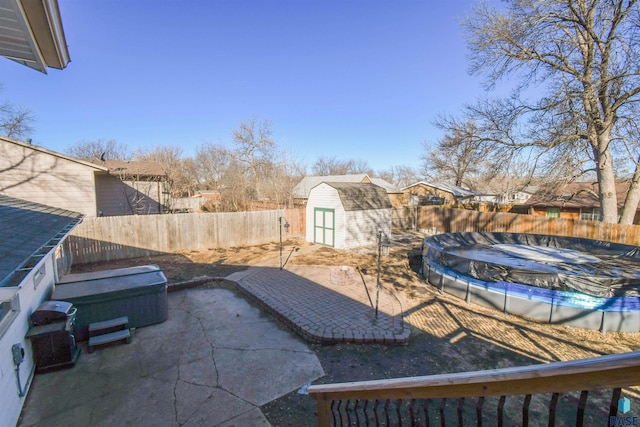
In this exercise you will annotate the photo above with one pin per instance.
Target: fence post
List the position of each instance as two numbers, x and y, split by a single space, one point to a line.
324 411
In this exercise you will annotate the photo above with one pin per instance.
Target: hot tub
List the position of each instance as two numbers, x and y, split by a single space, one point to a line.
140 293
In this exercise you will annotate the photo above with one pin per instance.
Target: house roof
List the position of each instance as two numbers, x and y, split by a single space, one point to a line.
575 195
52 153
302 189
27 232
530 190
31 34
120 168
456 191
359 196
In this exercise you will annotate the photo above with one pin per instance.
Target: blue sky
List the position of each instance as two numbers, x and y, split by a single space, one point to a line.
352 79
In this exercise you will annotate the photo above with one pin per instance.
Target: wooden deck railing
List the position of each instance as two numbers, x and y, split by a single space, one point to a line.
410 401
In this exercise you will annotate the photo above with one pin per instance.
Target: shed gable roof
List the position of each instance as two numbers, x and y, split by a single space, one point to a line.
302 189
358 196
28 230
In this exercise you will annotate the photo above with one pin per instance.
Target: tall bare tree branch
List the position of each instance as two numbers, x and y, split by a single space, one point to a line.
582 60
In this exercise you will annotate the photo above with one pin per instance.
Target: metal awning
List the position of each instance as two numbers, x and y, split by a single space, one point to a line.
31 33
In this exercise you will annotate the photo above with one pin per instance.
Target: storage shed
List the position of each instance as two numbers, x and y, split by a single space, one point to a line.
347 215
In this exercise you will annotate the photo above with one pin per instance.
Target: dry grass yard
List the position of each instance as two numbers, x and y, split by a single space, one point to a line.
448 334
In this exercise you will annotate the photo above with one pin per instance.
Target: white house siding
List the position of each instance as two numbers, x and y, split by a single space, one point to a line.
116 197
41 177
326 197
13 329
362 227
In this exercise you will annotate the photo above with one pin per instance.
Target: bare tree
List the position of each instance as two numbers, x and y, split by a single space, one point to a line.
211 162
177 183
461 156
401 176
582 57
287 172
104 149
16 122
326 165
256 151
237 191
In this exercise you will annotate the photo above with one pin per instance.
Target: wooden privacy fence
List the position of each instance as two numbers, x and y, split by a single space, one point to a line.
121 237
447 220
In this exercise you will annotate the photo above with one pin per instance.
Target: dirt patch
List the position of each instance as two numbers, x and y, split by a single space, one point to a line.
184 266
448 334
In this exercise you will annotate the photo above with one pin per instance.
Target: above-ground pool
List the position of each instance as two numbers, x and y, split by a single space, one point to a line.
586 283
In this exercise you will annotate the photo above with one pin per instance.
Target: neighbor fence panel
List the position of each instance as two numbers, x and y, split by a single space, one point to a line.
448 220
404 218
120 237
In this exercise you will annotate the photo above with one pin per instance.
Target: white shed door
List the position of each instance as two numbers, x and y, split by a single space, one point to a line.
324 226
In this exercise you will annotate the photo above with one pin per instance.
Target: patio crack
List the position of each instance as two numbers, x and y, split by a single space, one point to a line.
175 399
284 350
211 345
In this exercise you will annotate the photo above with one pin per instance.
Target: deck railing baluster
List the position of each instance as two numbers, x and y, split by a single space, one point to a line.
501 410
427 420
613 407
582 405
552 409
604 372
366 413
479 405
443 418
398 414
459 409
386 412
375 412
525 410
412 418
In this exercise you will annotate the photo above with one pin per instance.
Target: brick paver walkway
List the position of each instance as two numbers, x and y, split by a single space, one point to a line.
305 298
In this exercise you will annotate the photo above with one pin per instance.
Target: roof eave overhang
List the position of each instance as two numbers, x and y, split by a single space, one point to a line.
33 35
98 168
16 277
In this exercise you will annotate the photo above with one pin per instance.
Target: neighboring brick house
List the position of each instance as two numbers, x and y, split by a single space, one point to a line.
300 193
516 197
432 193
43 176
578 200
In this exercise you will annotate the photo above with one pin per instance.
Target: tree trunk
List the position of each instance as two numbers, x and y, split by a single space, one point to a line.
633 198
606 179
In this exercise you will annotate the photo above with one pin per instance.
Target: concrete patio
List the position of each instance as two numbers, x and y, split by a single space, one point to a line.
218 357
214 362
